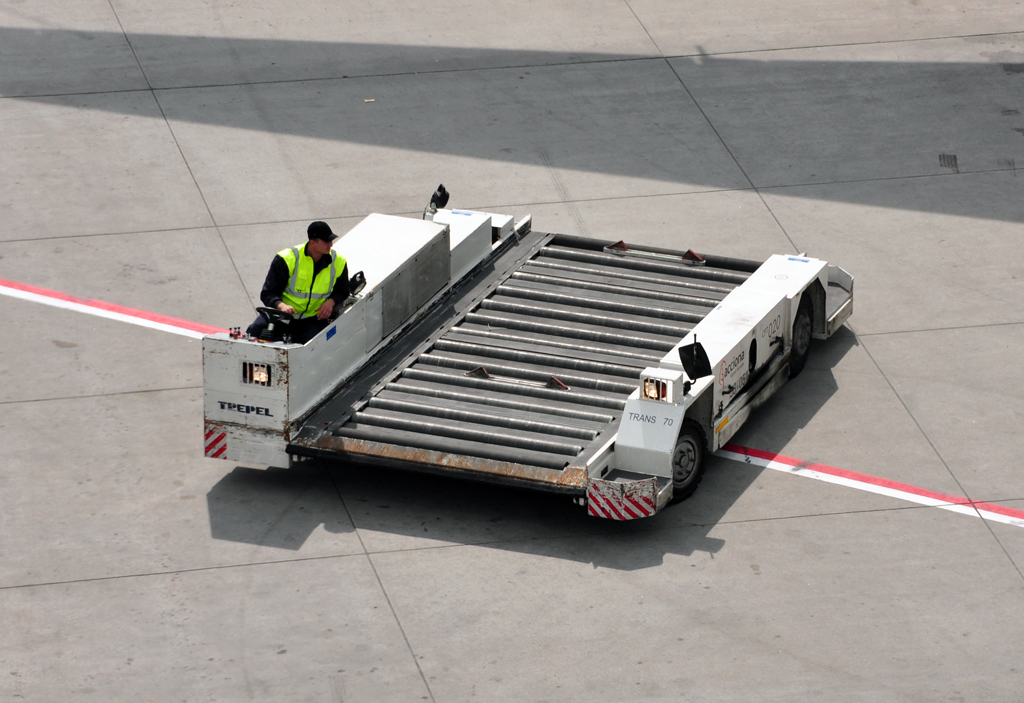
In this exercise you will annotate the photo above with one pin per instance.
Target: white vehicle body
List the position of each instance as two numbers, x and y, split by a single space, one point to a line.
490 352
748 339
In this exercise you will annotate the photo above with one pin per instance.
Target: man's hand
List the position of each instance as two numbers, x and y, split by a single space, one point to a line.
325 309
285 307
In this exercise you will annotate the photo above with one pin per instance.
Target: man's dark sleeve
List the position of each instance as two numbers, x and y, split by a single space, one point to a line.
341 289
277 281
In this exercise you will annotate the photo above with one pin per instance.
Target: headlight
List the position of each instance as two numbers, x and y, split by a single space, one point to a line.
655 389
256 374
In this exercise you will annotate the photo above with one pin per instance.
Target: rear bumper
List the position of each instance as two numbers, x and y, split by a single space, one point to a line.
627 496
840 316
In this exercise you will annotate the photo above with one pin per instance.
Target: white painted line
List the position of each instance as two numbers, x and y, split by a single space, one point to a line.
872 484
110 311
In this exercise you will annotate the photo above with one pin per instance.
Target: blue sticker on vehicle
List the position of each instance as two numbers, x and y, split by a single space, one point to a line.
804 261
331 332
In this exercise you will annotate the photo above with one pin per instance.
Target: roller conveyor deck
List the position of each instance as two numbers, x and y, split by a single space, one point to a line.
521 373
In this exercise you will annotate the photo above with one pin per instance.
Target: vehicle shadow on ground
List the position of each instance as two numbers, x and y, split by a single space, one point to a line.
396 510
773 425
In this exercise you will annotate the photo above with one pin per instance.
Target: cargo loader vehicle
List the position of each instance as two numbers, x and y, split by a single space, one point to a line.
482 349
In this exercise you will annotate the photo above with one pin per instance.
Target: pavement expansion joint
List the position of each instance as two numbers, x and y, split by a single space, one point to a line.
644 27
74 94
84 235
913 418
840 45
401 627
953 328
538 203
172 572
402 74
100 395
882 179
829 513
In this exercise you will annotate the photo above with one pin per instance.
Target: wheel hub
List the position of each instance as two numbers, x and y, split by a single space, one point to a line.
684 461
802 334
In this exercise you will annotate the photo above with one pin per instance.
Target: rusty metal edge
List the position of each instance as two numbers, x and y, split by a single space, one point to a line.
570 481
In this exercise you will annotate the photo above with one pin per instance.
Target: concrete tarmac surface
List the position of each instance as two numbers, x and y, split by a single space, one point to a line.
156 155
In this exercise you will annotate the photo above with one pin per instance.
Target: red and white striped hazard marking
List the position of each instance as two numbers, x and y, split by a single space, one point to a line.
622 501
108 310
873 484
216 440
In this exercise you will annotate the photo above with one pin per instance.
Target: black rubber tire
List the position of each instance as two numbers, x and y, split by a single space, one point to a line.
688 461
802 328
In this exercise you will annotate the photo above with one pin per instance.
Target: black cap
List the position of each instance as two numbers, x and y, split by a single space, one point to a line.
321 230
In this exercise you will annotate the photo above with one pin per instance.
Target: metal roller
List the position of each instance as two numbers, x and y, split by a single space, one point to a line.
702 272
724 262
538 358
534 338
500 321
621 289
574 396
607 273
497 402
623 323
594 303
442 429
540 344
540 376
481 418
535 415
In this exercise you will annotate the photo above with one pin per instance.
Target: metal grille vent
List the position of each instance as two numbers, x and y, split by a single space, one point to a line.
256 374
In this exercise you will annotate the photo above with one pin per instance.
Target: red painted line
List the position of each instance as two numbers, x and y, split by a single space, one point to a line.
843 473
112 307
220 451
874 481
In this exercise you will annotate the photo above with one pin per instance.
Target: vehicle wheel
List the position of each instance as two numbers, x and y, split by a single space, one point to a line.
688 462
801 338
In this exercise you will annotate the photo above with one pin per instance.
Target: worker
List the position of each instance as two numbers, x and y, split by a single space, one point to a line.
307 281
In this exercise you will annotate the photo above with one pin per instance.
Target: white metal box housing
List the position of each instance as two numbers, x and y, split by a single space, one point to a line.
470 238
405 262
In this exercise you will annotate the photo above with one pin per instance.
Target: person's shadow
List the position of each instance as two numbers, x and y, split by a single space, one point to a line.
282 507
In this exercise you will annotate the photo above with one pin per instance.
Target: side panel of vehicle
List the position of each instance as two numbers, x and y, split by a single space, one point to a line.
250 389
647 436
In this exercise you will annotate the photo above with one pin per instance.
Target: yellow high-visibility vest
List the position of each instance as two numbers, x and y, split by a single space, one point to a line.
302 292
